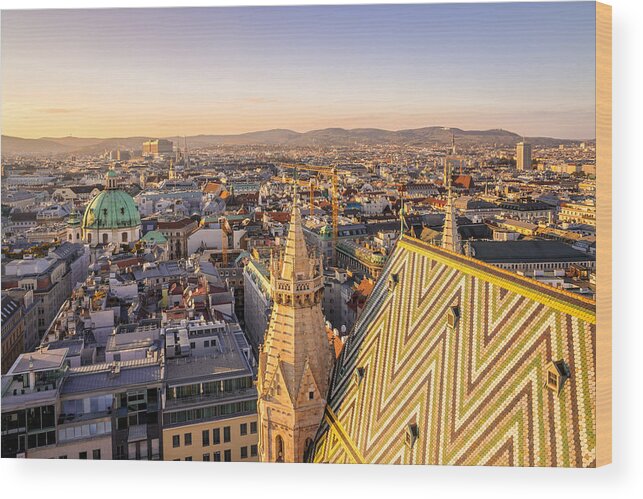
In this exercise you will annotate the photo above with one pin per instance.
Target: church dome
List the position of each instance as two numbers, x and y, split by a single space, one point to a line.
111 209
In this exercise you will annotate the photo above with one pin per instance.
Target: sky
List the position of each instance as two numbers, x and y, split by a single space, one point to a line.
528 68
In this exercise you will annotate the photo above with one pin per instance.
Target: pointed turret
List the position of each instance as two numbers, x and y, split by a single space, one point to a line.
295 261
450 236
295 359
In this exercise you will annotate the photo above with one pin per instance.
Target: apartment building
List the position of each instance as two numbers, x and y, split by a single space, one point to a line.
210 402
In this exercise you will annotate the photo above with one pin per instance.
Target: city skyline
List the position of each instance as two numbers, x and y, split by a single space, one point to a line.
190 71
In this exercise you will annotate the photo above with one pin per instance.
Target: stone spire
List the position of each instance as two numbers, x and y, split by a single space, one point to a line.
450 236
296 358
295 261
171 174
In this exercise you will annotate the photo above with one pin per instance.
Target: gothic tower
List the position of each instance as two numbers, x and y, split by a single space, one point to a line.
450 235
296 359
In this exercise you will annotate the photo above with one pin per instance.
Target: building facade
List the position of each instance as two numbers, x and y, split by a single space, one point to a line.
523 156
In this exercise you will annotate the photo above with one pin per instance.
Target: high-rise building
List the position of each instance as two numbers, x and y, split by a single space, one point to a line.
523 156
157 147
296 359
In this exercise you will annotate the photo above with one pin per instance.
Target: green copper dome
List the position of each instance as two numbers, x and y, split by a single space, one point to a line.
111 209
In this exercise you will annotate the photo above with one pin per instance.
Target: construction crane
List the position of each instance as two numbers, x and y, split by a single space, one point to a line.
307 184
329 172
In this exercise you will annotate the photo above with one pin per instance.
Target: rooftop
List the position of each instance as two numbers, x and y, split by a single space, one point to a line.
40 360
526 251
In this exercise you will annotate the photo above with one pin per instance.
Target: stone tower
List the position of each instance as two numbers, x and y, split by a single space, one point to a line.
450 235
296 359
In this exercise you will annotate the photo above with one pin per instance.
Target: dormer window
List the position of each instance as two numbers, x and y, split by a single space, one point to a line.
556 375
392 281
453 317
411 435
360 373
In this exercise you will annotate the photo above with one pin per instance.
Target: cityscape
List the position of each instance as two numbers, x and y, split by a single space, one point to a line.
348 293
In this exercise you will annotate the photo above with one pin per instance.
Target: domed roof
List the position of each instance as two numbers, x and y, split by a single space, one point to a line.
74 219
111 209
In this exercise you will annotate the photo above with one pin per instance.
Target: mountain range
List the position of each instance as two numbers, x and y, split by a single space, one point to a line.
330 137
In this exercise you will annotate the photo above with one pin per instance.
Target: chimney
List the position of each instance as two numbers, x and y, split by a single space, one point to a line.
32 374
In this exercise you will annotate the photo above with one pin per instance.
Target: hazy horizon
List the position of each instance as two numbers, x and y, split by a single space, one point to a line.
162 72
157 136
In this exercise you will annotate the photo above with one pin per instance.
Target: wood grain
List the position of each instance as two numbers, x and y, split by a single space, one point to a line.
604 234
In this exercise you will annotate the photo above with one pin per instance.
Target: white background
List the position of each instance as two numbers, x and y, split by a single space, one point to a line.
622 479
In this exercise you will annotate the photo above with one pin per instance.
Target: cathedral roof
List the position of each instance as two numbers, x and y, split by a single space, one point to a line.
447 364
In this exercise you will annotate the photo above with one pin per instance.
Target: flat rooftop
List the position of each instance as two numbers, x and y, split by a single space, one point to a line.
527 251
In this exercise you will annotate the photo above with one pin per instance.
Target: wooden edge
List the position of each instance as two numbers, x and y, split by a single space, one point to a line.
604 234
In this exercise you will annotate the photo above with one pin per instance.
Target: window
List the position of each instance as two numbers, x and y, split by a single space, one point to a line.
311 395
206 457
176 441
226 434
96 454
192 345
217 456
189 458
216 436
206 344
227 455
62 457
552 379
253 427
124 237
253 450
205 436
244 452
82 455
187 439
243 429
279 449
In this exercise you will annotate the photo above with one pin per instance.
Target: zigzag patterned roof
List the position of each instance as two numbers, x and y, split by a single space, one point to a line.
475 389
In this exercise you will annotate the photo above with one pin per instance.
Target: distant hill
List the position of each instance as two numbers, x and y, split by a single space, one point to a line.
429 136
